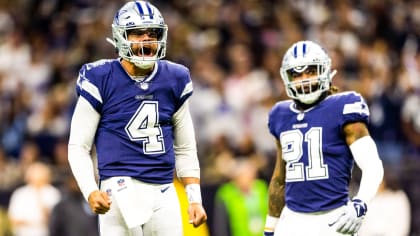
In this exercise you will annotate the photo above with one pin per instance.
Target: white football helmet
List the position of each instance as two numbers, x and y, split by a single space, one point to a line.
139 15
303 56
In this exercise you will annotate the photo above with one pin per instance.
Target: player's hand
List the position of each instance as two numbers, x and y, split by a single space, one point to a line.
197 214
99 202
350 221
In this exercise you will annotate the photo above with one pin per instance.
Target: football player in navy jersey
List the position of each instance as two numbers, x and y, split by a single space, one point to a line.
134 111
320 133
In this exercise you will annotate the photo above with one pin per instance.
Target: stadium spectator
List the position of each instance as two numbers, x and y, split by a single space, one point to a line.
30 205
390 211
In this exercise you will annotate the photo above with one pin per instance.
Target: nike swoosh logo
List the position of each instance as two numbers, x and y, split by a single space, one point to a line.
333 223
164 189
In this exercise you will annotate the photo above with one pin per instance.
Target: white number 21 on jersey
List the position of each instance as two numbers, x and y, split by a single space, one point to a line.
292 149
144 126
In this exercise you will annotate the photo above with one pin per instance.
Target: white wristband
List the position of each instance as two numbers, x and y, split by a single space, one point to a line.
270 223
193 193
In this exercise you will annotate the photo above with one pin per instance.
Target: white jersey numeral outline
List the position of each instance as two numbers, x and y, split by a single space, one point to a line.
144 126
292 149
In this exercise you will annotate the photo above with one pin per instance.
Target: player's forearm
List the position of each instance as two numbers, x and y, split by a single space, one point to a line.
82 168
365 154
276 200
186 160
275 203
186 163
83 128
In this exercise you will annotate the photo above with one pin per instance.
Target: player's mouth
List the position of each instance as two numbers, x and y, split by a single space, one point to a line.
146 51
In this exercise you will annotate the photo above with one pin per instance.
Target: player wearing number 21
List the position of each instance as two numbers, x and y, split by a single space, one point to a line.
134 110
320 133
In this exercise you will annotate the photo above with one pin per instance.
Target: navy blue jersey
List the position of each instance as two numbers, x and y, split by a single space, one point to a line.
318 160
135 135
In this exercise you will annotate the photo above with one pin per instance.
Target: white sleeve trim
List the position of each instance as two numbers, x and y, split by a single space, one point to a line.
82 132
86 85
188 89
367 158
186 159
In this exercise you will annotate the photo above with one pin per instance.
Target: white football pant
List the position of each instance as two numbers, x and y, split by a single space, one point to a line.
160 200
293 223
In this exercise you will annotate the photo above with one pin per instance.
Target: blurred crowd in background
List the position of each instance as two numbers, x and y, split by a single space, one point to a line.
234 50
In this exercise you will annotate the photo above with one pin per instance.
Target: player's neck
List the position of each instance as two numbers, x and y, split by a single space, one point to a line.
133 70
302 106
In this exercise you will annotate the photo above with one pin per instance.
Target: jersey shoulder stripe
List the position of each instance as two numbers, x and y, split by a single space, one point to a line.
352 102
351 105
89 75
179 76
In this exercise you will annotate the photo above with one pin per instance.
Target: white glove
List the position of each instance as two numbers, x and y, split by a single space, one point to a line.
350 221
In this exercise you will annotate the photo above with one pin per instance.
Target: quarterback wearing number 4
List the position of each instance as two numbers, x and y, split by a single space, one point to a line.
320 134
134 109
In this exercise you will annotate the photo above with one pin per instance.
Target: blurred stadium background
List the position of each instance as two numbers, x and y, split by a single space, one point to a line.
234 50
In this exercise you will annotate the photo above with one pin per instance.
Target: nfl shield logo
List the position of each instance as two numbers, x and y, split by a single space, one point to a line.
121 182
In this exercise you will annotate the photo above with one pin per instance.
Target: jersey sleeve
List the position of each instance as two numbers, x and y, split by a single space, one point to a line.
354 109
275 118
89 84
270 123
184 86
